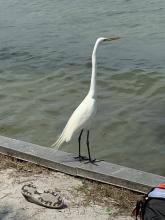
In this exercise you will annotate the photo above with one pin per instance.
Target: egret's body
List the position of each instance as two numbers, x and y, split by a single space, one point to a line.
82 116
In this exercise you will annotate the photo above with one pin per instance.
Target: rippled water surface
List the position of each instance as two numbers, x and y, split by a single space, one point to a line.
45 68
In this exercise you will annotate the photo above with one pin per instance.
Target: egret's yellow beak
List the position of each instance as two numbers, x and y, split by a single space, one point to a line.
112 38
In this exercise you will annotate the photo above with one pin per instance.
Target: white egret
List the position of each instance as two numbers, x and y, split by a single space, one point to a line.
81 118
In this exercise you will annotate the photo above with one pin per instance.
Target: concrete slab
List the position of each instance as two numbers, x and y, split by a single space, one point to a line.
64 162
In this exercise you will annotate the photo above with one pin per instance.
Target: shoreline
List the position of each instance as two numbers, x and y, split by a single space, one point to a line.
101 171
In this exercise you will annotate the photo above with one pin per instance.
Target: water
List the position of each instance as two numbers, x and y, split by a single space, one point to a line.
45 67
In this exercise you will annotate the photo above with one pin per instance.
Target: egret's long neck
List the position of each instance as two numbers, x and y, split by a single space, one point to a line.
92 90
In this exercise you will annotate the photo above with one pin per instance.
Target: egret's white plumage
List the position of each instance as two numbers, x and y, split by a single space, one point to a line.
81 118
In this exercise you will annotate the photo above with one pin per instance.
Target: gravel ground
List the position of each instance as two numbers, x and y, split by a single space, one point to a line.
84 199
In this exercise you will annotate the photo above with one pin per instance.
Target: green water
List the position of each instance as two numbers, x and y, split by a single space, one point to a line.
45 68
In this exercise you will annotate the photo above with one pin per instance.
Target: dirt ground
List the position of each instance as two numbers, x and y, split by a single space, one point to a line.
84 199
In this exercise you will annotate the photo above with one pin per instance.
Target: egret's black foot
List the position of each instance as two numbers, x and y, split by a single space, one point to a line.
81 158
91 161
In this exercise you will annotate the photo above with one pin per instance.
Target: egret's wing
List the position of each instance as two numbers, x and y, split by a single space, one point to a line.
78 120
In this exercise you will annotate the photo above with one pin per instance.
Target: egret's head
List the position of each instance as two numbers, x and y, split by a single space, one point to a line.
111 38
100 39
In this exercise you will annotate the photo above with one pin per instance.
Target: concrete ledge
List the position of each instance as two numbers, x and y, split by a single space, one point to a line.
64 162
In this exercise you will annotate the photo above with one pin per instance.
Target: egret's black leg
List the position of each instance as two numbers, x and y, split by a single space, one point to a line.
79 142
79 151
89 154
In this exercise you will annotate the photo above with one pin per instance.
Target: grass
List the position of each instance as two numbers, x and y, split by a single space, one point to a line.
25 167
124 200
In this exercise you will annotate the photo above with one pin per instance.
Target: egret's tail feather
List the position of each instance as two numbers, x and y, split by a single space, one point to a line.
58 143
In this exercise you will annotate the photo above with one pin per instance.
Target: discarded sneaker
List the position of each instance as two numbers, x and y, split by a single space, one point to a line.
47 199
